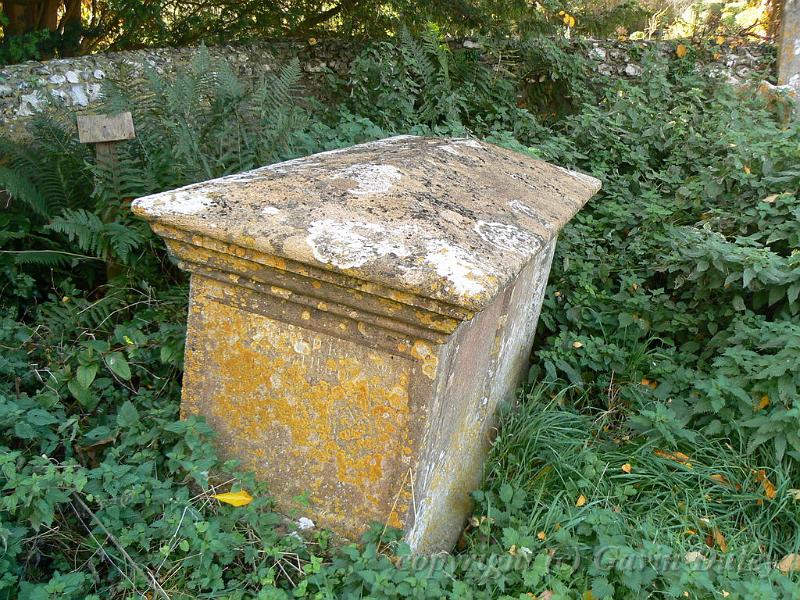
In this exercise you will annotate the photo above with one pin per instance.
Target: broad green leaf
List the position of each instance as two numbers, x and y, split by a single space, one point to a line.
86 374
80 393
118 365
127 415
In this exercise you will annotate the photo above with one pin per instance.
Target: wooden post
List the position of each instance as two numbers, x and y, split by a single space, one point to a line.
105 132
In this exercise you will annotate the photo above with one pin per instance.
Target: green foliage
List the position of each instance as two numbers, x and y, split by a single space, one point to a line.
666 369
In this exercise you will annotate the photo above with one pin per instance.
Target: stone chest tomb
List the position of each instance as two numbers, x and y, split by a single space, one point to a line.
356 316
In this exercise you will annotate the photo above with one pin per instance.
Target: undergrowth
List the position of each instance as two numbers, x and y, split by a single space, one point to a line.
653 453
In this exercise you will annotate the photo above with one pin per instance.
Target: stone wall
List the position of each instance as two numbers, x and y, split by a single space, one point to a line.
76 82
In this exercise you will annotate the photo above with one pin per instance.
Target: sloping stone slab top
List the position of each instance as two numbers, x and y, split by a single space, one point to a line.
453 220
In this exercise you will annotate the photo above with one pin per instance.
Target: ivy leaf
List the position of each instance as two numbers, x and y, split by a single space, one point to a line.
118 365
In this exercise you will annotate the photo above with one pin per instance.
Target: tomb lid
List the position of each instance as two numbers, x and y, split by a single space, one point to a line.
453 220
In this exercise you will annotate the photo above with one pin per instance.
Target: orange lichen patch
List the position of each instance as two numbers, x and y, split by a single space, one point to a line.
423 352
339 423
279 291
436 322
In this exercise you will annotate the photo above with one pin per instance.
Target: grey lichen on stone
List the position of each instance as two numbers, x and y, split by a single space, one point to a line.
452 220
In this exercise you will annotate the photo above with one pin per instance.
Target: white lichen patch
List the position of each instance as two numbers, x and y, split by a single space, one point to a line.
469 143
450 149
370 178
587 179
520 207
270 210
179 202
508 237
458 266
351 244
295 164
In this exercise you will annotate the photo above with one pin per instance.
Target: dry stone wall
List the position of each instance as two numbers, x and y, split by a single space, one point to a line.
76 83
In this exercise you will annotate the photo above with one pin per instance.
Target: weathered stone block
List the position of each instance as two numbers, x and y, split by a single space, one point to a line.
357 315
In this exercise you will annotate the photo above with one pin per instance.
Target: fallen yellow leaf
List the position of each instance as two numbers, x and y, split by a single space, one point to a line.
770 199
720 40
680 50
577 345
770 491
763 403
541 535
581 501
676 456
240 498
747 169
719 478
627 467
720 540
789 563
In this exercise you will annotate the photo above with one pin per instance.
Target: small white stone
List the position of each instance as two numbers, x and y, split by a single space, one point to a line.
57 79
632 70
30 103
597 53
95 91
98 74
304 524
270 210
472 45
78 95
72 77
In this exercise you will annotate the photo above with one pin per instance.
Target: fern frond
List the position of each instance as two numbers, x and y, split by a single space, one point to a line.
22 190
